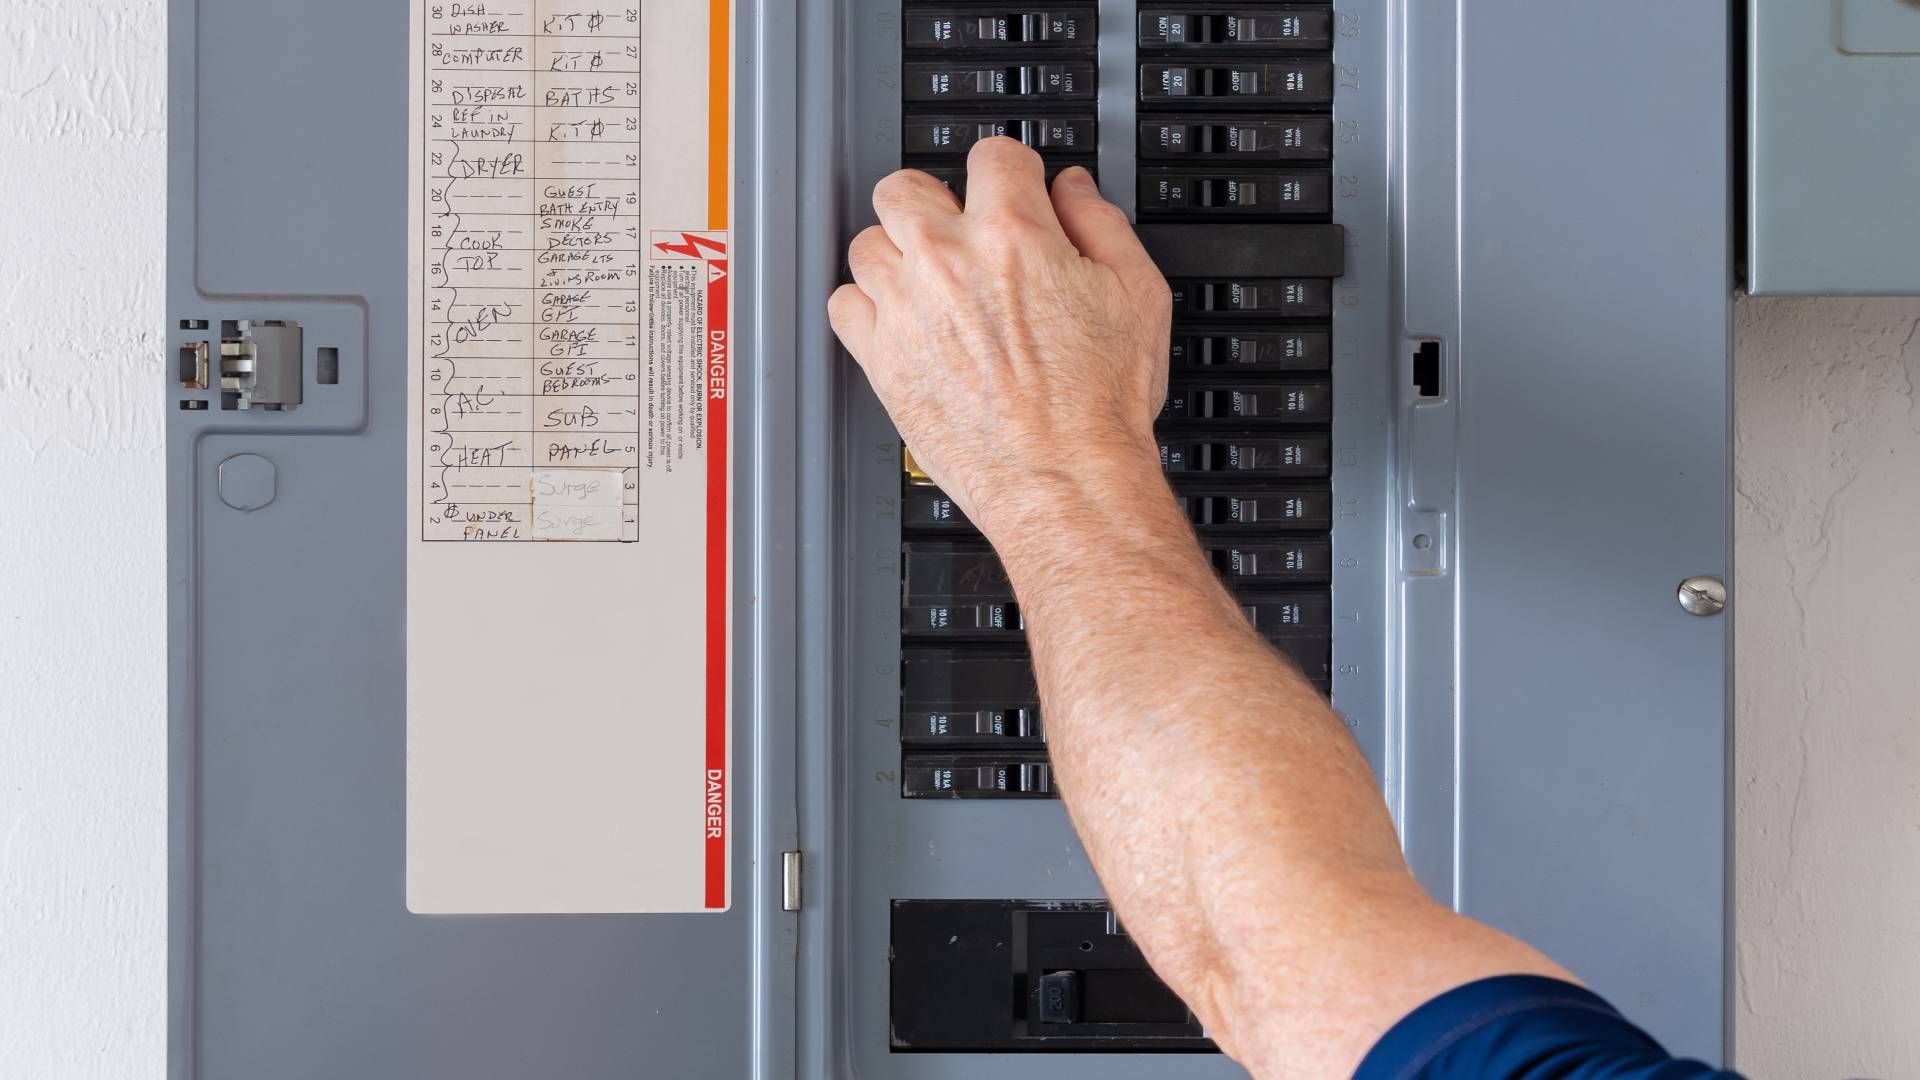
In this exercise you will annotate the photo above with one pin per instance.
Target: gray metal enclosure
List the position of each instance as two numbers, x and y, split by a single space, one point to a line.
1543 190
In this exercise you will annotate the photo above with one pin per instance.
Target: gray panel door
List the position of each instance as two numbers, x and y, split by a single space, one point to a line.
1593 477
292 952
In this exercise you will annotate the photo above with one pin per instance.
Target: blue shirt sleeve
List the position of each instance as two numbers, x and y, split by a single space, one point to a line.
1523 1027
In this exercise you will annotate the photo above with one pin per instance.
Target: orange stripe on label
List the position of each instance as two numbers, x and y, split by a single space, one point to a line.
719 350
719 110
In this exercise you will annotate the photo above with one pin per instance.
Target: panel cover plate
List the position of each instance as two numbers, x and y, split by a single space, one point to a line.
292 952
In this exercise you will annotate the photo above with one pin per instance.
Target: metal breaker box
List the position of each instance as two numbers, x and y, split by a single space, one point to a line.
572 677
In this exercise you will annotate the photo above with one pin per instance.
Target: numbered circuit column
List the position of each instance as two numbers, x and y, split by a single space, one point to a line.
586 396
480 309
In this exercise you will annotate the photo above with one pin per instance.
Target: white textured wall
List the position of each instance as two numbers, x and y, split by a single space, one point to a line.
1827 750
82 721
1828 609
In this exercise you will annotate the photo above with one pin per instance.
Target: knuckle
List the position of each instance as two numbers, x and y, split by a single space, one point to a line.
843 308
1096 218
866 246
1107 215
901 188
1005 224
949 265
1004 148
915 232
1004 254
1157 292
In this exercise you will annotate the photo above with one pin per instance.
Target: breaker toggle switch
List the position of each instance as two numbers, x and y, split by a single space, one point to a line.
1302 403
961 618
1055 134
1293 27
956 135
985 82
983 725
956 695
1282 297
1307 138
1304 350
928 777
1289 614
960 29
1289 509
1281 560
1305 455
1235 194
1291 82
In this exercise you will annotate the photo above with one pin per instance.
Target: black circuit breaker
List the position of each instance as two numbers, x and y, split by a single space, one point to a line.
1234 146
1008 975
974 71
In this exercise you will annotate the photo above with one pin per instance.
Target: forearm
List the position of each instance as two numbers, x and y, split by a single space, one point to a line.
1231 817
1020 345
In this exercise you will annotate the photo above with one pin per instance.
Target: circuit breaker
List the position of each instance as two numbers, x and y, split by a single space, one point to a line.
1232 133
574 676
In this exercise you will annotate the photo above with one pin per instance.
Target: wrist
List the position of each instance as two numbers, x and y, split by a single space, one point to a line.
1109 498
1036 491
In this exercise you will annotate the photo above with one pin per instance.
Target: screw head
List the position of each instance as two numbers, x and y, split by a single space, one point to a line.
1702 595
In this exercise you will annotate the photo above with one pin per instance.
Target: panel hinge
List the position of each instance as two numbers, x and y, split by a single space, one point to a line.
790 881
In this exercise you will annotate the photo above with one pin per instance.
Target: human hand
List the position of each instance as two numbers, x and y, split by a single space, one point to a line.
1013 342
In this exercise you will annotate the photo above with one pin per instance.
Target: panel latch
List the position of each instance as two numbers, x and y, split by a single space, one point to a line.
260 364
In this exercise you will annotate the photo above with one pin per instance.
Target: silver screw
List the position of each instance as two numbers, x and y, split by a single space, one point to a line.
1703 595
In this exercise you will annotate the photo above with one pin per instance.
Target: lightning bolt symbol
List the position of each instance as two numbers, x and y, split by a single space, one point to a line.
692 245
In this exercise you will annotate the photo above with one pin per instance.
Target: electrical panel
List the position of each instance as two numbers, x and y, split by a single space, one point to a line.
575 676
